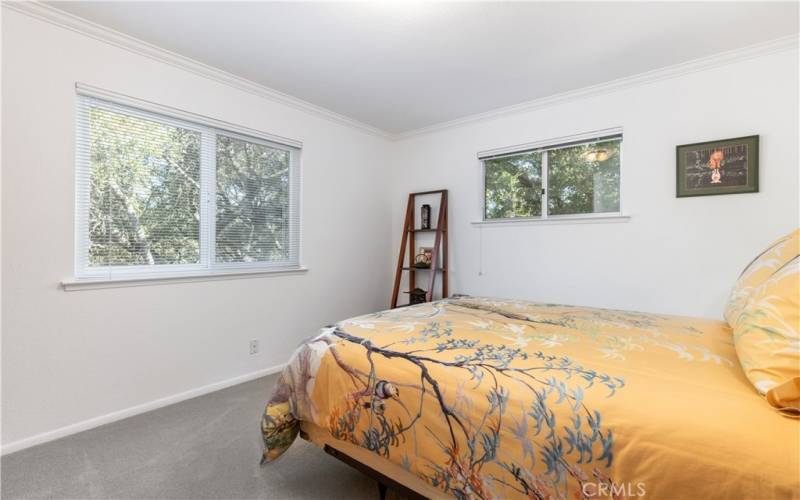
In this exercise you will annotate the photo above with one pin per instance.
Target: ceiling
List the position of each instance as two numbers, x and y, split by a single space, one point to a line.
400 66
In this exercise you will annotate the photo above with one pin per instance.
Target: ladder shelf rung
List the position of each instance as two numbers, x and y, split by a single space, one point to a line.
423 193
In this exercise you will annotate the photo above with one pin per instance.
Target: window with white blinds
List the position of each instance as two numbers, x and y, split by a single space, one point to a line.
159 194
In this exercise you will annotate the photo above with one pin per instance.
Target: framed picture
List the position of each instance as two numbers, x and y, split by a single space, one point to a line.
424 258
726 166
428 252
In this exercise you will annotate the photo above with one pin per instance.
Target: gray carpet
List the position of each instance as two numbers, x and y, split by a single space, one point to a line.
207 447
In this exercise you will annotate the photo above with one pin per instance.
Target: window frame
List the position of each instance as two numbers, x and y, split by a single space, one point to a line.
543 147
88 97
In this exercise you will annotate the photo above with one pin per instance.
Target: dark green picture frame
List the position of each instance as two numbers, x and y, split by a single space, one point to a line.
693 167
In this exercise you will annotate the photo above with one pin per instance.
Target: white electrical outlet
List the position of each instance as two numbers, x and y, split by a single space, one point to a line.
254 346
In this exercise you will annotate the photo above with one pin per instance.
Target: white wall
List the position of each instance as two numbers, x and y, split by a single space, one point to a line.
675 255
72 356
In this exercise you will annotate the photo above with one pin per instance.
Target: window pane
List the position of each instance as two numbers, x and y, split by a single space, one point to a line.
252 202
514 186
145 191
583 179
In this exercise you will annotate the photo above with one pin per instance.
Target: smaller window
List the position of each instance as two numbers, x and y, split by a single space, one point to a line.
567 179
514 186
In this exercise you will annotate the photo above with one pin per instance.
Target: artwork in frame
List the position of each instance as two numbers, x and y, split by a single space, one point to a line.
726 166
424 258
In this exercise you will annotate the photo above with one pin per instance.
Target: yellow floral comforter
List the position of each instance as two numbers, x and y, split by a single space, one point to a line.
488 398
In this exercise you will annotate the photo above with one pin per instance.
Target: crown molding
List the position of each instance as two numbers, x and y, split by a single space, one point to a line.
693 66
82 26
62 19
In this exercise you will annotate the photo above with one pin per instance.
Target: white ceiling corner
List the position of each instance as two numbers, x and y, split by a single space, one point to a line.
398 69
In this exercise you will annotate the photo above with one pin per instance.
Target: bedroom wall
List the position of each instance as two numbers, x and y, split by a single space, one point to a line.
75 359
674 255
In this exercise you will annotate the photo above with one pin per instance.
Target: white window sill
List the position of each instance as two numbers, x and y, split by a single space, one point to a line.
557 219
76 284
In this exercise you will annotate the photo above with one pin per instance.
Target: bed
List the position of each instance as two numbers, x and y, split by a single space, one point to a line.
488 398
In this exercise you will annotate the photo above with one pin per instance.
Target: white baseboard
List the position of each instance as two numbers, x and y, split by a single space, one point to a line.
91 423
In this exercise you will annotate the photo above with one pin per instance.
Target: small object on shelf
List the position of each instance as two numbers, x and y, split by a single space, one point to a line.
423 259
425 223
417 296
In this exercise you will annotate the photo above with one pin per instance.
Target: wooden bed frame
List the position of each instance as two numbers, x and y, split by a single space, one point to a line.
387 474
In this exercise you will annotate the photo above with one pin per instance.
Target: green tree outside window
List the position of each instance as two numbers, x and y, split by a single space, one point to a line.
581 179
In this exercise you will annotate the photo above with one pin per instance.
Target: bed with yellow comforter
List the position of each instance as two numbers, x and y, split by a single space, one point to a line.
490 398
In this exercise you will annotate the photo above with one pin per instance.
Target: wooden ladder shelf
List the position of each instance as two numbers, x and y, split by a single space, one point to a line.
408 242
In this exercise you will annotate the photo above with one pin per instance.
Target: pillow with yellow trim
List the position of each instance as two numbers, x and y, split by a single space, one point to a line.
766 331
759 270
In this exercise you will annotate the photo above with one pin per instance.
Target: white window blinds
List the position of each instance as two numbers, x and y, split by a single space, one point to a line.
159 191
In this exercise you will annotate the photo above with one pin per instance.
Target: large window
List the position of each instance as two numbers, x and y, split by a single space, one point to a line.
158 194
576 178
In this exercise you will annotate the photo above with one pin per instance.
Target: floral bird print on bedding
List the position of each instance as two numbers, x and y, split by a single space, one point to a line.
482 398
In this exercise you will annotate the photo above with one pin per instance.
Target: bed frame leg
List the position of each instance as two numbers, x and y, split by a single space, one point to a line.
382 490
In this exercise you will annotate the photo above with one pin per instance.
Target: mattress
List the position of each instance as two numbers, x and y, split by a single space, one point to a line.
491 398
